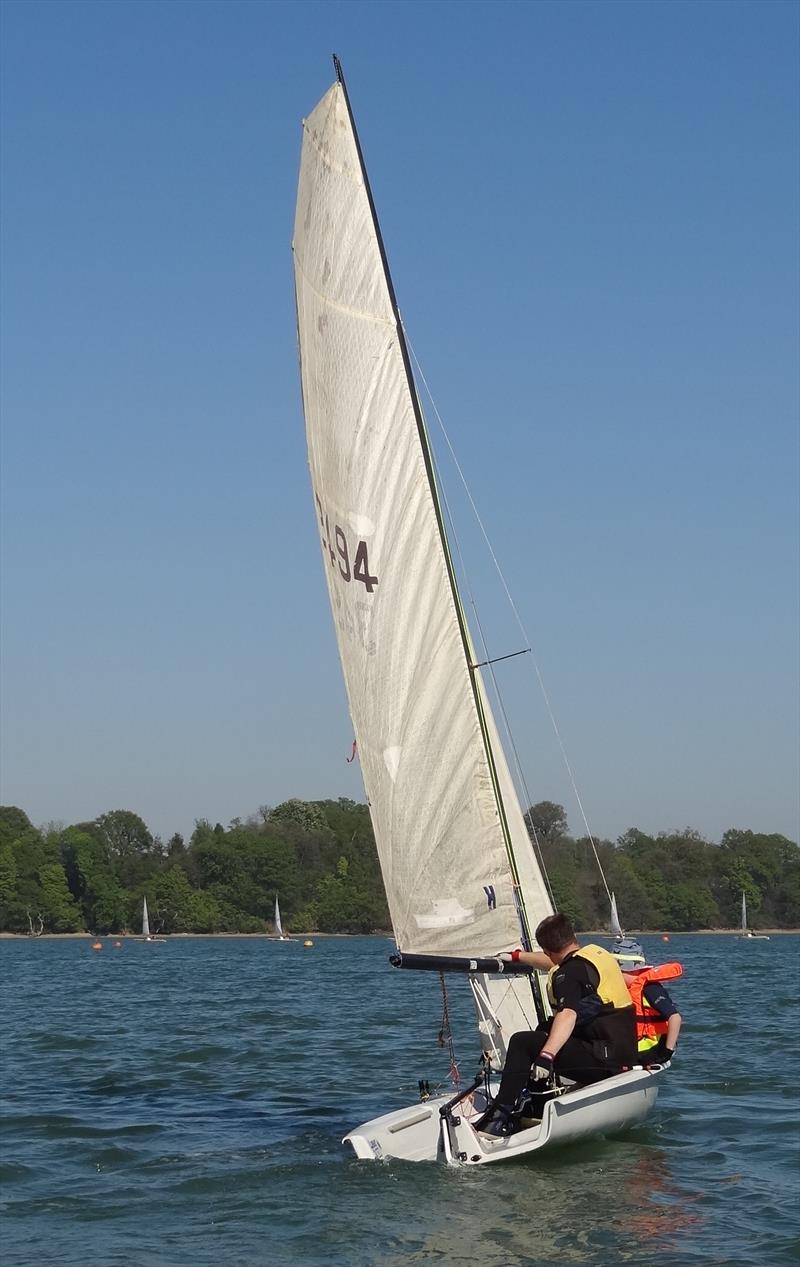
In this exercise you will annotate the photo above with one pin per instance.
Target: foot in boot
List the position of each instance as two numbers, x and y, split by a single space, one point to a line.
495 1121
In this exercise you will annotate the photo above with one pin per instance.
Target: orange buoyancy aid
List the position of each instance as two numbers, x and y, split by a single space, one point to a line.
650 1024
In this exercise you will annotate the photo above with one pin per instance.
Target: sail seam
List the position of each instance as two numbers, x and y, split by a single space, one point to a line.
387 322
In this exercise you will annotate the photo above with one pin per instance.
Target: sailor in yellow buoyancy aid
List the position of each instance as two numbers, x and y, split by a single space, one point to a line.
591 1034
609 988
658 1021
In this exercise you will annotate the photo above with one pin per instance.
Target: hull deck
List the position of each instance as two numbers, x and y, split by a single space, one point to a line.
421 1133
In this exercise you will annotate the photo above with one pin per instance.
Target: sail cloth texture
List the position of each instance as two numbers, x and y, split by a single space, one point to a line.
429 780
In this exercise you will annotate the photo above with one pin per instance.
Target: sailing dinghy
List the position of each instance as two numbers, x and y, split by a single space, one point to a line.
146 934
616 927
746 934
462 882
280 935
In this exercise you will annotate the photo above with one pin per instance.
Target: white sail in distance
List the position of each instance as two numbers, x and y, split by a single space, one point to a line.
616 927
145 919
278 924
454 854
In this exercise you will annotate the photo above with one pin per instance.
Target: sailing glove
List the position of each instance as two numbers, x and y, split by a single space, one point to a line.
509 956
543 1066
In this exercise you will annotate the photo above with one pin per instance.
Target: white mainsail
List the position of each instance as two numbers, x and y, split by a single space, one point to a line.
454 853
616 927
460 873
278 924
145 919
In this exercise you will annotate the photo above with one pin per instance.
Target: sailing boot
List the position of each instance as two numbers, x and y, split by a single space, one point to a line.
497 1120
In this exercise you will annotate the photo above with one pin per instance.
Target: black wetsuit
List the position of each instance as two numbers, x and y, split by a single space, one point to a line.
602 1043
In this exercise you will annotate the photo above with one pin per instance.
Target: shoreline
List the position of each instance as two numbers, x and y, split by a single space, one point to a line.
696 932
128 936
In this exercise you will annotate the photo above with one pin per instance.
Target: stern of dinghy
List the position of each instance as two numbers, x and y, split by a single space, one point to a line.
440 1129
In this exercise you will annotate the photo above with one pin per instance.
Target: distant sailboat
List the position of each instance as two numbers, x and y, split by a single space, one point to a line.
616 927
280 933
146 935
278 924
746 934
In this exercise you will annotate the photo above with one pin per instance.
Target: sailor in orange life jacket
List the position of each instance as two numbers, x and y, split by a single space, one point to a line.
592 1034
658 1021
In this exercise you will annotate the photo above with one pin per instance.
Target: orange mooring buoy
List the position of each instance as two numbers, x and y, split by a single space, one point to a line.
665 938
97 945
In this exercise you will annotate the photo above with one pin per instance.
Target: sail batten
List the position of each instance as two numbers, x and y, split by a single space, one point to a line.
440 796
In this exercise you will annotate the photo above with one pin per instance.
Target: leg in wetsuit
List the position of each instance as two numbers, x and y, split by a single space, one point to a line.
576 1060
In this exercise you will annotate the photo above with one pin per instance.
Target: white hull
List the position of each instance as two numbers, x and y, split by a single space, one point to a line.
420 1133
754 937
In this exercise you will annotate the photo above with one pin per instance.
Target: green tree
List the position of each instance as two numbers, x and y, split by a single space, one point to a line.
93 882
176 847
634 903
548 820
307 814
14 823
60 911
690 906
124 833
567 899
174 902
345 904
10 909
320 856
30 852
205 916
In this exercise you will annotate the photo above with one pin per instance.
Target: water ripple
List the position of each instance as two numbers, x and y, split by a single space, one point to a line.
198 1105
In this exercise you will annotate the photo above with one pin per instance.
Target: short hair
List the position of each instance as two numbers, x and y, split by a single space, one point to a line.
554 933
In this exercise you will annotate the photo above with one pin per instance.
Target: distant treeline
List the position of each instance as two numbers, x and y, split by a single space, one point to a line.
320 858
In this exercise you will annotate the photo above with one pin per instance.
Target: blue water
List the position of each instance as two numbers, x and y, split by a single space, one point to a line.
183 1104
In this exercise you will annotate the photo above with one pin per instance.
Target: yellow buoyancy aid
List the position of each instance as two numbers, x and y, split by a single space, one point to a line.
611 988
650 1024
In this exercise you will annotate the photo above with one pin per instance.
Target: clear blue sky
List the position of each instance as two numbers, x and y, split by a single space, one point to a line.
591 215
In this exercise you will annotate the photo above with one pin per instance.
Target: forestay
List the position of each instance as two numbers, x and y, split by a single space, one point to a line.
449 831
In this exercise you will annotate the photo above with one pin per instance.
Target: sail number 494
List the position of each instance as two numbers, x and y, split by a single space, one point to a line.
336 547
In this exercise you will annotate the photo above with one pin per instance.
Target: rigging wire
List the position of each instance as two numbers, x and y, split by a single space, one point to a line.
527 640
489 663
